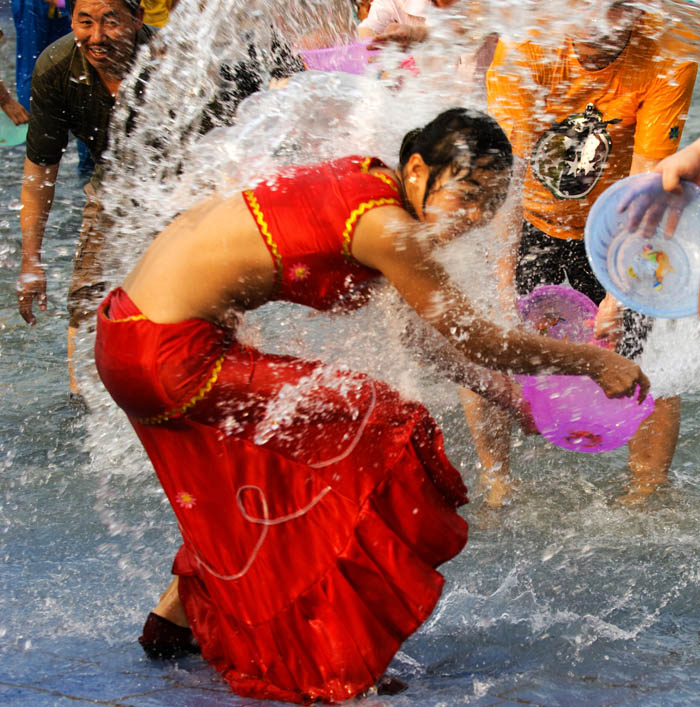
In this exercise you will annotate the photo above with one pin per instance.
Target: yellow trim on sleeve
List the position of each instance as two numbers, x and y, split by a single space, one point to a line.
366 162
386 180
356 213
264 229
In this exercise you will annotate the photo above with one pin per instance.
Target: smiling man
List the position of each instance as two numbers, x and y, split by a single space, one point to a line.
74 86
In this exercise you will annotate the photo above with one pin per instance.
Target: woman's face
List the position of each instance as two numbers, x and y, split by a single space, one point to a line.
465 200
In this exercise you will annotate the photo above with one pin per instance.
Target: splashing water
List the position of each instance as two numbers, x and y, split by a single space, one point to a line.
562 598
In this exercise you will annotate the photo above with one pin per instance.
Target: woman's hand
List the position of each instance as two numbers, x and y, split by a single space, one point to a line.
617 376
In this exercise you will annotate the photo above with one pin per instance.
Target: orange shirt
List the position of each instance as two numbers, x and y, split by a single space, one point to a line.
578 128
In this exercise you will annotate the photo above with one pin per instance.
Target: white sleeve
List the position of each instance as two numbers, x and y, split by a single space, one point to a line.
381 15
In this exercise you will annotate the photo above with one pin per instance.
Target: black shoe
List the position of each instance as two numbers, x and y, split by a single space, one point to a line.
162 639
389 685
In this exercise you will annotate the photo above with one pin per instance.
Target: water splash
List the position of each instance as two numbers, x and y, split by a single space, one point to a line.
563 578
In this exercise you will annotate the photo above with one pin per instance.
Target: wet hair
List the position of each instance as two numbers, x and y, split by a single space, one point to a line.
459 139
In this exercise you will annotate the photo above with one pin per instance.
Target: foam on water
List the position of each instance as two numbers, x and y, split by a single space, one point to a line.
561 599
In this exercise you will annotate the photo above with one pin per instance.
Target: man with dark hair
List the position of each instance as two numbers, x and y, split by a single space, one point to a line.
75 82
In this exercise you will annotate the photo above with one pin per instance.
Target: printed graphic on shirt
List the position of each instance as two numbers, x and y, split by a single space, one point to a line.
570 157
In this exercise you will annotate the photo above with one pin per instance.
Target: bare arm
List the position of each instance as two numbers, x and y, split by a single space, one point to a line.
36 197
406 261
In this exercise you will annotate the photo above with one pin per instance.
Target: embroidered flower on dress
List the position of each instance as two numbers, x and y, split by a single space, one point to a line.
185 499
299 272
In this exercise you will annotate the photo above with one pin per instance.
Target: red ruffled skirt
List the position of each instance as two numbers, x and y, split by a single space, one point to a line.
314 503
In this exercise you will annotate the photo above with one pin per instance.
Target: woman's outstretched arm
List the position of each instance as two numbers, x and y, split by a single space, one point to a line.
391 243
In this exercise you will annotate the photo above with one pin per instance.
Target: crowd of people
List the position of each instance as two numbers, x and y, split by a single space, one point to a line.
312 534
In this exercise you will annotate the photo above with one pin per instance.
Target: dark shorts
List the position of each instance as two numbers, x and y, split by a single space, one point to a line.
543 260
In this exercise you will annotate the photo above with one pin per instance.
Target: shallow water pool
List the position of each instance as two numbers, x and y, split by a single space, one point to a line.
563 599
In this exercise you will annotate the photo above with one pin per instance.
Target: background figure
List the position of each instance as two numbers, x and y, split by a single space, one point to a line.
38 23
156 13
384 13
608 103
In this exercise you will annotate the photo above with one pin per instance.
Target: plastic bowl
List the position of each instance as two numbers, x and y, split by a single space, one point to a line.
350 58
559 311
646 270
573 412
11 134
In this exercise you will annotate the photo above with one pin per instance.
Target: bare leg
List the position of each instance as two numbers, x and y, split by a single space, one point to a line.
72 382
490 428
651 450
170 607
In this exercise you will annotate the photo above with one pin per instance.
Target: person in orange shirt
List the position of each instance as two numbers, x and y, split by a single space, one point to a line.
581 116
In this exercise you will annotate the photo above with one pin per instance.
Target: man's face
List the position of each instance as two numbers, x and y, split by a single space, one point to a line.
105 31
611 25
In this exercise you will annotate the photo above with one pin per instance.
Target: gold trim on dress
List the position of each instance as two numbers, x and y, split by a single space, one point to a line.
356 213
264 229
178 412
386 180
367 163
132 318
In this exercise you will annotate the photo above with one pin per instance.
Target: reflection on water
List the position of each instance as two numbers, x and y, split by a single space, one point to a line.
561 599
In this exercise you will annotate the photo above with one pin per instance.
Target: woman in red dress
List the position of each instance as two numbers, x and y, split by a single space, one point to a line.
314 503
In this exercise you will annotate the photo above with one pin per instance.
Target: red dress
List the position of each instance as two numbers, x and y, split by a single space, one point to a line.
314 503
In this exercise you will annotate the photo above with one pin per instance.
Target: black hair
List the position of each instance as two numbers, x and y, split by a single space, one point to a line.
458 139
131 5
